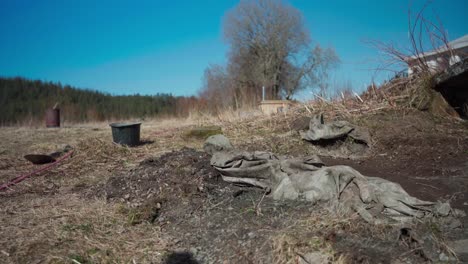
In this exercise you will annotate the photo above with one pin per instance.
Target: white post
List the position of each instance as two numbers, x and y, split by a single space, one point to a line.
263 93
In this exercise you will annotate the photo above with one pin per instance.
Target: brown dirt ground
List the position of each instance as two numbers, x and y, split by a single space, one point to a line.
162 202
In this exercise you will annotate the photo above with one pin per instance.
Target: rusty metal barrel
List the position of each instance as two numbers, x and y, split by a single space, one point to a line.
52 117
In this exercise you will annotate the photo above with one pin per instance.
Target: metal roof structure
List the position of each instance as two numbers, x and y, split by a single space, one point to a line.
456 44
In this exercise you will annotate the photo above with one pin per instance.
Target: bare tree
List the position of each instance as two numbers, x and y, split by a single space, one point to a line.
424 35
270 46
312 71
217 88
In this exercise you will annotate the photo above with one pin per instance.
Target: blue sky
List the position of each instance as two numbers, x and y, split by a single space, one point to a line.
148 47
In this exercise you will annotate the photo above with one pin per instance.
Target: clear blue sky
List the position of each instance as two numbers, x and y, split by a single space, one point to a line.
148 47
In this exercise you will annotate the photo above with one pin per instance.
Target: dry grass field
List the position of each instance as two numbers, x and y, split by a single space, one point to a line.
99 206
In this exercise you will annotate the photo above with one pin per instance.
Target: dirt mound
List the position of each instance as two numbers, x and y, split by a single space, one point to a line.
179 179
213 221
183 172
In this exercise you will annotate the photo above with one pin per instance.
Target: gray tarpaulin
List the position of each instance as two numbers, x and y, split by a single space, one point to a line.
319 130
307 178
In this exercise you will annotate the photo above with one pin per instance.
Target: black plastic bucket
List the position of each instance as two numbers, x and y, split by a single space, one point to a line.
126 134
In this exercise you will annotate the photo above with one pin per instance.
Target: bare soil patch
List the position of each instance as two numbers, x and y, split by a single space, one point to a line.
215 222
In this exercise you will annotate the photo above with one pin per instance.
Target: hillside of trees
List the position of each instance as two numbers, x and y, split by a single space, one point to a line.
23 100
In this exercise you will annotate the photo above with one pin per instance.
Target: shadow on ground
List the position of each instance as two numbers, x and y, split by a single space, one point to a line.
181 258
145 142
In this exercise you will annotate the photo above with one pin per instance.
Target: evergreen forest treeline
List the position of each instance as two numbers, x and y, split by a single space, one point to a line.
23 100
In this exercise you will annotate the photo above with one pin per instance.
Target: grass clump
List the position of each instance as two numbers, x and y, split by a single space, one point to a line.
202 132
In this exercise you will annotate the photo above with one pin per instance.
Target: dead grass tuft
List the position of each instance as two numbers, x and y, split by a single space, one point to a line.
62 229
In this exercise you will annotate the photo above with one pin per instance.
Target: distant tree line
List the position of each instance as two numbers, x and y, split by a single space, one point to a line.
27 100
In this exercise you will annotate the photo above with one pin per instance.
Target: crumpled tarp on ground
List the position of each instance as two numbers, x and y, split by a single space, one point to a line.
319 130
307 178
357 139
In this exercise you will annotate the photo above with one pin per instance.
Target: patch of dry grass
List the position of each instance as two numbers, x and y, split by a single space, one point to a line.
62 229
46 218
320 232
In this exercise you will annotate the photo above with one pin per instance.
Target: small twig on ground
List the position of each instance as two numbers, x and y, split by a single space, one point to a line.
358 97
218 204
258 210
428 185
75 261
411 251
304 259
